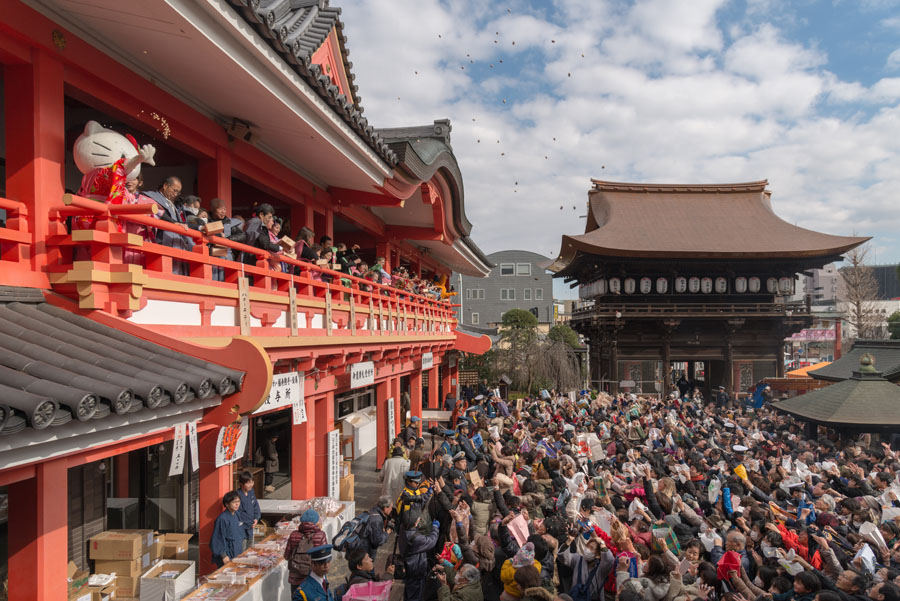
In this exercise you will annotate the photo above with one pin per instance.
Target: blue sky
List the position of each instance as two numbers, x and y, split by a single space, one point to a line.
805 94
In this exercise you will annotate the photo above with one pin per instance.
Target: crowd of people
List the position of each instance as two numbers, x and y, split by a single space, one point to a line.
636 499
263 230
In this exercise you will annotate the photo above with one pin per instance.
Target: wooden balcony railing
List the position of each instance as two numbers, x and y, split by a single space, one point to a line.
14 235
679 310
80 251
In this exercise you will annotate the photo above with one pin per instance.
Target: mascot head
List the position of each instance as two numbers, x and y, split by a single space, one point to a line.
98 146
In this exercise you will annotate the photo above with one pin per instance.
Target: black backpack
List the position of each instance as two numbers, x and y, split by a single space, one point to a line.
352 534
582 590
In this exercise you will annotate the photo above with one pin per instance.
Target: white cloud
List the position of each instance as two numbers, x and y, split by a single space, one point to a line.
893 61
657 90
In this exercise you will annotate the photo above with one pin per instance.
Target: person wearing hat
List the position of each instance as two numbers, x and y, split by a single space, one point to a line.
722 398
524 557
391 475
316 587
306 537
412 430
468 449
449 445
417 454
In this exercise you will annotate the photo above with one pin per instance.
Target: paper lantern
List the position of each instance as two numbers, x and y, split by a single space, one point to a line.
615 286
680 284
662 285
694 285
646 286
772 285
721 285
629 285
740 285
786 285
706 285
601 286
753 284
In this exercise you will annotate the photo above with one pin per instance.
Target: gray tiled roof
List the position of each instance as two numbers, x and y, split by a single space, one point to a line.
56 367
886 354
296 29
863 402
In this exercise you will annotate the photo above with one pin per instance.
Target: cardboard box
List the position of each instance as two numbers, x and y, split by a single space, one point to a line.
103 593
128 587
347 488
156 548
116 545
119 568
76 578
175 546
80 593
146 537
178 581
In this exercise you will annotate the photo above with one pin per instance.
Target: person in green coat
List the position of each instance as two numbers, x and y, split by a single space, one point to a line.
466 587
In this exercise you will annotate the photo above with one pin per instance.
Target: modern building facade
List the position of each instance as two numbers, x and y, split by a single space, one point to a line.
519 280
264 110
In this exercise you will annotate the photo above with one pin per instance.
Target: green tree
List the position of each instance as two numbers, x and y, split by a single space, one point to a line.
518 333
563 333
893 322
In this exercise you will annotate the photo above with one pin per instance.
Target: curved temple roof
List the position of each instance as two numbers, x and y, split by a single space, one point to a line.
727 221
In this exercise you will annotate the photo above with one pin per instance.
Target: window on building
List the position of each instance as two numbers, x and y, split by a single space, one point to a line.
469 294
523 268
477 294
474 319
526 294
507 294
538 294
507 269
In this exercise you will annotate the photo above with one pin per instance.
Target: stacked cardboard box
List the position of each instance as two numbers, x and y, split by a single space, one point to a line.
168 580
125 553
175 546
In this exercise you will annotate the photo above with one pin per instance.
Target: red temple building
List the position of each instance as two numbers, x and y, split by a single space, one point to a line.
103 358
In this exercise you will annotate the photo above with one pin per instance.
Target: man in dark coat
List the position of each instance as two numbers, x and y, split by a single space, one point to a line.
415 548
376 532
166 198
465 444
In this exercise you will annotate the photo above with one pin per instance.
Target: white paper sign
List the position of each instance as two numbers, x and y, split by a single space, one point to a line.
176 467
391 418
362 374
334 463
195 448
232 443
285 388
299 405
427 360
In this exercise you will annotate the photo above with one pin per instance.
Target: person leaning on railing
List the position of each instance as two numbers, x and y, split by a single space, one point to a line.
233 230
257 230
165 198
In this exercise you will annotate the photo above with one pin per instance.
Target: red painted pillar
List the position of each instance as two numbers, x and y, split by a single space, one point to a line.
214 483
329 224
383 249
382 393
35 142
433 401
454 377
214 178
415 395
298 218
445 380
303 446
121 473
324 424
38 534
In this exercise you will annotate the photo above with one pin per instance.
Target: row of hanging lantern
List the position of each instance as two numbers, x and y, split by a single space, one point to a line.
685 285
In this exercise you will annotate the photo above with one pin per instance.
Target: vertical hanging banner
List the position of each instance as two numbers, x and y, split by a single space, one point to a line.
232 443
195 448
285 389
243 306
298 403
176 467
334 463
391 418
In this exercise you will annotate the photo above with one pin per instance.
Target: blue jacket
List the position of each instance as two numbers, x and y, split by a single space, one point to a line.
248 511
311 590
227 536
